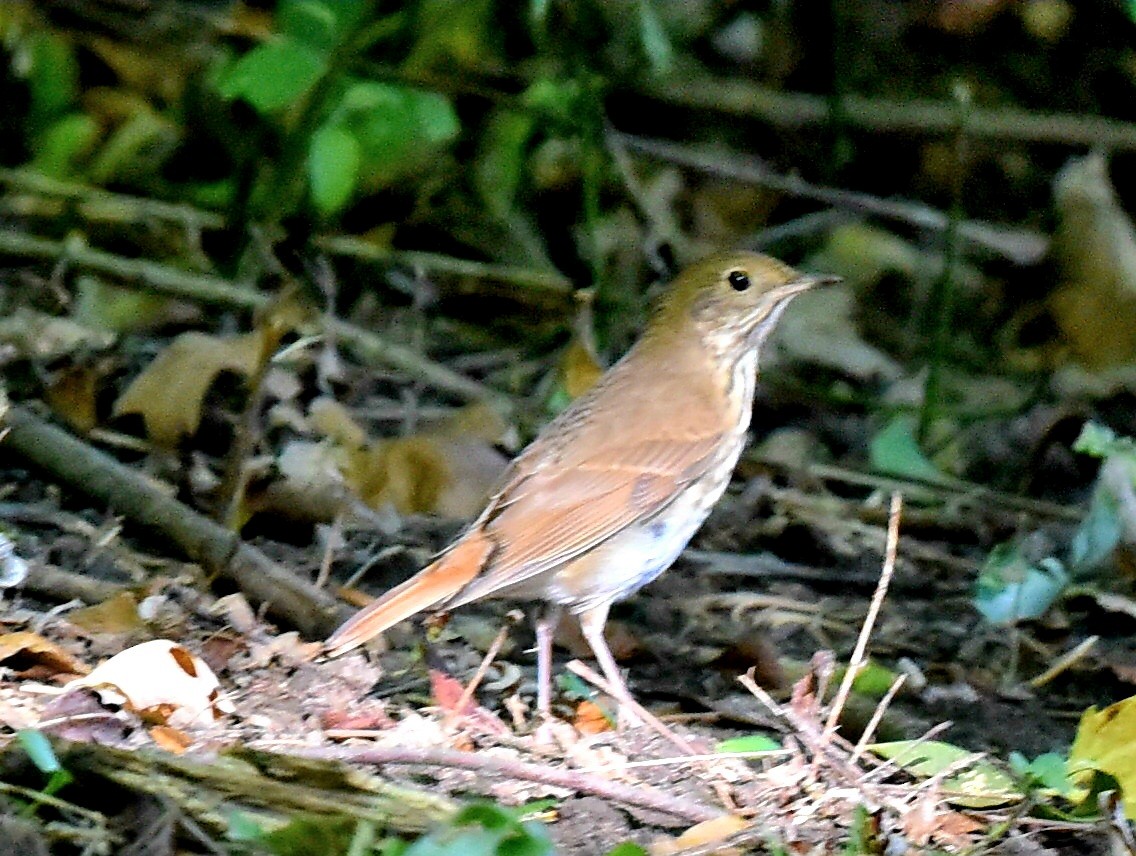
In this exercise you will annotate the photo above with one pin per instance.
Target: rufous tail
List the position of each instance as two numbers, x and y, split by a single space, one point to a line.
433 585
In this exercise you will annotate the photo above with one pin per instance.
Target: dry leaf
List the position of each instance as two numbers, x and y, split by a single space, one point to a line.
39 336
591 719
447 692
20 651
71 396
703 834
118 614
162 682
1095 244
170 392
173 740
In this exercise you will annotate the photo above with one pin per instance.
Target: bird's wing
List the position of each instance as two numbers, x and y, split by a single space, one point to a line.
551 514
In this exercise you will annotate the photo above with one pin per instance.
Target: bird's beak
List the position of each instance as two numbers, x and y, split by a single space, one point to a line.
804 283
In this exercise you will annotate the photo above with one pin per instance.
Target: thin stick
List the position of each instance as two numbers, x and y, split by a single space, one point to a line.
1018 245
1065 661
486 662
877 715
634 795
857 658
891 764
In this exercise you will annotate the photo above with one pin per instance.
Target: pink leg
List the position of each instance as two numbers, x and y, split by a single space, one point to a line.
592 624
545 628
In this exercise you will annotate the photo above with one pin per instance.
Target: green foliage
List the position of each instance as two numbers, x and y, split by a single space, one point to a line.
627 849
274 75
1010 588
480 829
894 450
748 743
863 835
484 830
1101 530
40 752
350 133
980 785
1046 773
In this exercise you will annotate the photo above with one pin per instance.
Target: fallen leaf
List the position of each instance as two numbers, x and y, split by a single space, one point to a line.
1104 743
447 692
71 396
1095 245
170 392
118 614
39 336
171 739
704 834
20 651
591 719
162 682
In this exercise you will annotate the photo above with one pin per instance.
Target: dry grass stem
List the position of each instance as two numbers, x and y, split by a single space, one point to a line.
856 661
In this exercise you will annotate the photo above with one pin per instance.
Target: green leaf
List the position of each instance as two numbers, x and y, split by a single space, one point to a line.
333 168
273 75
1010 589
1101 442
311 836
748 743
320 24
1096 539
243 827
627 848
895 452
39 750
874 680
1048 771
63 144
399 129
310 22
979 785
656 43
501 164
53 79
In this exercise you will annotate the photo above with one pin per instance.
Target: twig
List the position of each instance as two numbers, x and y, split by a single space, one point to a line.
1019 245
544 280
857 658
649 719
157 277
94 203
212 546
877 715
1079 652
972 494
641 796
483 667
212 290
795 109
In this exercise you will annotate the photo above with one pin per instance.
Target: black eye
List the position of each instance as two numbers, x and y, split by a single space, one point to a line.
738 279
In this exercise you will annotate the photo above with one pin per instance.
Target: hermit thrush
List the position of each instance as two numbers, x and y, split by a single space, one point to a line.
610 492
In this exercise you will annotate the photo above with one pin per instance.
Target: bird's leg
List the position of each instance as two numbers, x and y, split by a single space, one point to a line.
592 623
545 628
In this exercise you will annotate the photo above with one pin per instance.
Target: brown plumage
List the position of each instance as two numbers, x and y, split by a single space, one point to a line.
609 493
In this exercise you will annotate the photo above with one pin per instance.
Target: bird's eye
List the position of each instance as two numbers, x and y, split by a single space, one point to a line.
738 279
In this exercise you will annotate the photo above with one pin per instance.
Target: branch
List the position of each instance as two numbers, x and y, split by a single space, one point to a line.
797 109
212 290
640 796
141 500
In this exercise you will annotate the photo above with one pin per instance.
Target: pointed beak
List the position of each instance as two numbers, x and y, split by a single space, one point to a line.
804 283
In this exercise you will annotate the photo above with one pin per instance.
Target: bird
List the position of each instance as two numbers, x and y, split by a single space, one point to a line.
608 494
